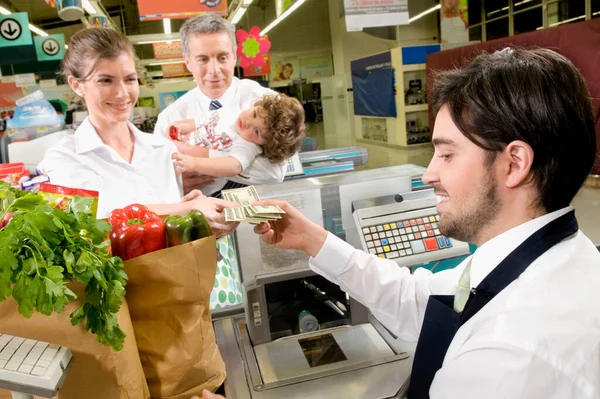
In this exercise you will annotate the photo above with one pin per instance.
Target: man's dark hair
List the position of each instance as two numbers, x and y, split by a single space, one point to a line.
536 96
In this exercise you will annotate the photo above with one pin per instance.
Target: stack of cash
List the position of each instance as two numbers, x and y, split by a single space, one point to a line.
248 213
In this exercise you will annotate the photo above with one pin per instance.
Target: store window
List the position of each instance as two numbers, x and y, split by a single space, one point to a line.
565 11
497 29
524 4
474 12
475 33
495 8
595 8
527 21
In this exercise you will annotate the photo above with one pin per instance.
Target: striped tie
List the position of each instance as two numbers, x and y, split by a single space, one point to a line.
463 289
215 105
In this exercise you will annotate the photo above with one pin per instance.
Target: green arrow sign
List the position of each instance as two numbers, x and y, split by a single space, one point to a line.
14 30
50 48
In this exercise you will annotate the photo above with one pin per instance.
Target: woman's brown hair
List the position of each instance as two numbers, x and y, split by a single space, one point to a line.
93 45
285 126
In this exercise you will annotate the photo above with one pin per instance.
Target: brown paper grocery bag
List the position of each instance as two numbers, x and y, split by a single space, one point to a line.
98 371
168 293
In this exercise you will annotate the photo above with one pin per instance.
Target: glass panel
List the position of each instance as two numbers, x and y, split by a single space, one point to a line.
475 33
523 4
528 21
497 29
474 12
565 11
595 8
321 350
495 8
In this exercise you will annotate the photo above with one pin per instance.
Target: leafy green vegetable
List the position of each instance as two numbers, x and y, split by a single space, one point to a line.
42 249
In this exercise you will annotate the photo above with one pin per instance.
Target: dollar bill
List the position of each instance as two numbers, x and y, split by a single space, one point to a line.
243 196
247 213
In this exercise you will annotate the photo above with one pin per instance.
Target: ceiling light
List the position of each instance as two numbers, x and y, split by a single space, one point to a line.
37 30
166 62
239 13
167 25
89 7
421 15
283 16
247 3
4 11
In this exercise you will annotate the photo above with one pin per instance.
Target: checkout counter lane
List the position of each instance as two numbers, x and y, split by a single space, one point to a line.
301 335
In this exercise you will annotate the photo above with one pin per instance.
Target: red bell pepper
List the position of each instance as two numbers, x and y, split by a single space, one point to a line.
136 230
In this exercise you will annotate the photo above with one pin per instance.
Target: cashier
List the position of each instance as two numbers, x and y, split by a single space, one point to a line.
109 154
514 141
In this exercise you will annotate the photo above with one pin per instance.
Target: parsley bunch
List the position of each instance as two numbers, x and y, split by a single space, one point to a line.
43 248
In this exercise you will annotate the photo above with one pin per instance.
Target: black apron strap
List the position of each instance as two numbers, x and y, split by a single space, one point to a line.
518 261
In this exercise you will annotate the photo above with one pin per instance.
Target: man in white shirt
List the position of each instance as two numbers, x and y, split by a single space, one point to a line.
208 43
514 140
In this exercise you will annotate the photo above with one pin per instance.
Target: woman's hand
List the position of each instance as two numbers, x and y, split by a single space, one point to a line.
292 231
212 208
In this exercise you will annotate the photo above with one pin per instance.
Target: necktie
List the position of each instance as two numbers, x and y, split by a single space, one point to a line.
215 105
463 289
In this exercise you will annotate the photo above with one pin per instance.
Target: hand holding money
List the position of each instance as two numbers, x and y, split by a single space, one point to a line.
245 196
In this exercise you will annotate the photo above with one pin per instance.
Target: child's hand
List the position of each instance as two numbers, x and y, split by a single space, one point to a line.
183 163
180 130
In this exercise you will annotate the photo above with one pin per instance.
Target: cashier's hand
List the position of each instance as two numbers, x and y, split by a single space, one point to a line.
212 208
206 394
292 231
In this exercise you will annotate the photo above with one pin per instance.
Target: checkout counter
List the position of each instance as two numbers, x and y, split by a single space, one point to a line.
297 335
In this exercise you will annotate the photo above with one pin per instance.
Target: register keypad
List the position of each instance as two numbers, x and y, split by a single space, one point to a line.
405 237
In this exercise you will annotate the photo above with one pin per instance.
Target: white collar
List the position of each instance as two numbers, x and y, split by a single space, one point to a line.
225 99
87 139
489 255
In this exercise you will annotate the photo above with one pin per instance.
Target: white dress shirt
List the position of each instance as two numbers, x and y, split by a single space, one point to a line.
82 160
538 338
241 95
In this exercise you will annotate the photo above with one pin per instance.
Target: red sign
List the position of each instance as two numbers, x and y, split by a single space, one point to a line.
255 70
165 51
179 9
174 70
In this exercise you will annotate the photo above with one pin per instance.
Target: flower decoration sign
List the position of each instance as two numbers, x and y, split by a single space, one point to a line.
253 52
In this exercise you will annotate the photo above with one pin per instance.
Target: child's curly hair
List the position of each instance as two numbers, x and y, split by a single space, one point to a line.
285 126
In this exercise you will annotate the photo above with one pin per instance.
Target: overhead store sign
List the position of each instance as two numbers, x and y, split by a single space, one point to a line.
14 30
282 5
50 48
179 9
362 14
165 51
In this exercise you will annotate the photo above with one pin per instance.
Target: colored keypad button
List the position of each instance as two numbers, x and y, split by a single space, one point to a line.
384 242
431 244
441 242
417 246
386 248
366 230
373 229
419 221
406 223
379 228
430 233
386 227
432 219
413 222
393 225
448 243
417 235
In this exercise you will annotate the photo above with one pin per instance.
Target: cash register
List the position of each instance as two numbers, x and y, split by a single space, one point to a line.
301 335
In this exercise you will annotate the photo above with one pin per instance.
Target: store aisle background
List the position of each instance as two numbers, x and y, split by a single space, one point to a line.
586 203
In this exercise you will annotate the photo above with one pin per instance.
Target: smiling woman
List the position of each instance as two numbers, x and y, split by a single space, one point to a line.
107 153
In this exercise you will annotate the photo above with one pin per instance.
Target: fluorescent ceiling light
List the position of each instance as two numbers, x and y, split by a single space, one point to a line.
167 25
37 30
246 3
282 17
159 41
89 7
4 11
566 21
66 46
421 15
239 13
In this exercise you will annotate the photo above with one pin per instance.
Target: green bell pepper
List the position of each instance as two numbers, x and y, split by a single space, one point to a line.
182 229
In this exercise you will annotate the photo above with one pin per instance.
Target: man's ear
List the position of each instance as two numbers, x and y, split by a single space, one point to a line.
76 85
519 158
187 61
